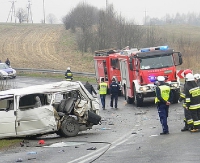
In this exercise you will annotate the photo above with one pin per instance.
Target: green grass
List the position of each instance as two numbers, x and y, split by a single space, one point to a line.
6 143
58 76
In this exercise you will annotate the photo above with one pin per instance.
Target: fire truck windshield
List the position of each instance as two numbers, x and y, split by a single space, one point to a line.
156 62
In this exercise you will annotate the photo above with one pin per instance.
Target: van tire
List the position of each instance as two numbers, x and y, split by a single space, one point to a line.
69 127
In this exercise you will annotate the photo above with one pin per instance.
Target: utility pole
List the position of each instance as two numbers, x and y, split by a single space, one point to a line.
29 15
44 11
145 16
12 12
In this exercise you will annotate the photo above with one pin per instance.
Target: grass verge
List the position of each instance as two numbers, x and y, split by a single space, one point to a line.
6 143
58 76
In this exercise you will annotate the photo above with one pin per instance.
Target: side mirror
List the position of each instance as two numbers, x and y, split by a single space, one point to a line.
180 58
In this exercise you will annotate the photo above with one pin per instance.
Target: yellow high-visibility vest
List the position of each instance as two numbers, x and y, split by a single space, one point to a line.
69 74
103 88
165 92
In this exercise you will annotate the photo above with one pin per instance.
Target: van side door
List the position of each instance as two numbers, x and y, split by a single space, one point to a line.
7 117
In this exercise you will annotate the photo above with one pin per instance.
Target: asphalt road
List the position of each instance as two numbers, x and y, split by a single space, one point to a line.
127 135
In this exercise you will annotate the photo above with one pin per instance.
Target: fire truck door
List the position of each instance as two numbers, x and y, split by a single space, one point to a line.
124 73
101 69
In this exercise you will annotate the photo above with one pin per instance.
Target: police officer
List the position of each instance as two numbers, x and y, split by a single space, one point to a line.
68 74
188 121
103 87
114 91
192 100
163 100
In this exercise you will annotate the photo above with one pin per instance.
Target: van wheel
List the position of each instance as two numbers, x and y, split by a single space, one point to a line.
69 127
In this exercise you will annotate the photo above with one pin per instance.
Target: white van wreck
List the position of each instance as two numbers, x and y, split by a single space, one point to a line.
63 107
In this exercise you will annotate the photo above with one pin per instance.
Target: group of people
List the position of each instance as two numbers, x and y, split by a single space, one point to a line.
191 97
103 91
191 104
164 97
102 87
113 90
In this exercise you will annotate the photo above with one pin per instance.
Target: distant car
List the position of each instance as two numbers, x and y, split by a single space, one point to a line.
6 71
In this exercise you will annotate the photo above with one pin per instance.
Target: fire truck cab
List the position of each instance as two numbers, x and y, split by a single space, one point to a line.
107 66
139 71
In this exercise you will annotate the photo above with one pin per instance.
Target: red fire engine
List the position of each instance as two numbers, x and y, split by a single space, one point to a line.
107 66
140 69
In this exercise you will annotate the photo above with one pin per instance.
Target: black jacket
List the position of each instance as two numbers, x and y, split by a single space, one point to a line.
114 88
192 96
68 75
90 88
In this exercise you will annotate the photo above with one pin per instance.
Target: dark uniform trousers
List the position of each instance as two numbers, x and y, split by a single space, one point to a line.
163 110
114 97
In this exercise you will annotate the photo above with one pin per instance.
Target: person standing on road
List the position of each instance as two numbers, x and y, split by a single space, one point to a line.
103 87
188 121
90 88
192 100
163 100
114 91
7 62
68 74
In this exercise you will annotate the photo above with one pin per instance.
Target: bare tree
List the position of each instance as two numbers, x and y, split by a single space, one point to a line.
21 15
51 19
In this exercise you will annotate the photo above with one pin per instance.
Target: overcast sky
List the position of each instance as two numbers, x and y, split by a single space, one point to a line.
130 9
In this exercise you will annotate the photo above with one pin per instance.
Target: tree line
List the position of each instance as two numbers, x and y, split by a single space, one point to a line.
97 29
189 18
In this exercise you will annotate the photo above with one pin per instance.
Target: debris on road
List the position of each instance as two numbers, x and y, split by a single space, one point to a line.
31 158
110 123
19 160
92 148
134 133
140 113
61 151
104 128
153 135
30 153
41 142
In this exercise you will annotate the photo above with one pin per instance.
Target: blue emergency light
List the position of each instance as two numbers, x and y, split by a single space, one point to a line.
163 47
145 50
152 78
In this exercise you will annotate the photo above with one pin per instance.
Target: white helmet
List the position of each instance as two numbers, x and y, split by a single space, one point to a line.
161 78
68 68
189 77
197 76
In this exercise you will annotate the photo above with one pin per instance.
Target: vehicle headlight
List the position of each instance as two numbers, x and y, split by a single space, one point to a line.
14 71
4 73
145 88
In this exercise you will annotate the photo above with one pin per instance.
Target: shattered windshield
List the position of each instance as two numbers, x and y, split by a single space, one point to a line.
156 62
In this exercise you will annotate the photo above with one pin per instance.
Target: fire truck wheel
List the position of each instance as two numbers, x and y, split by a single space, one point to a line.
128 99
138 99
